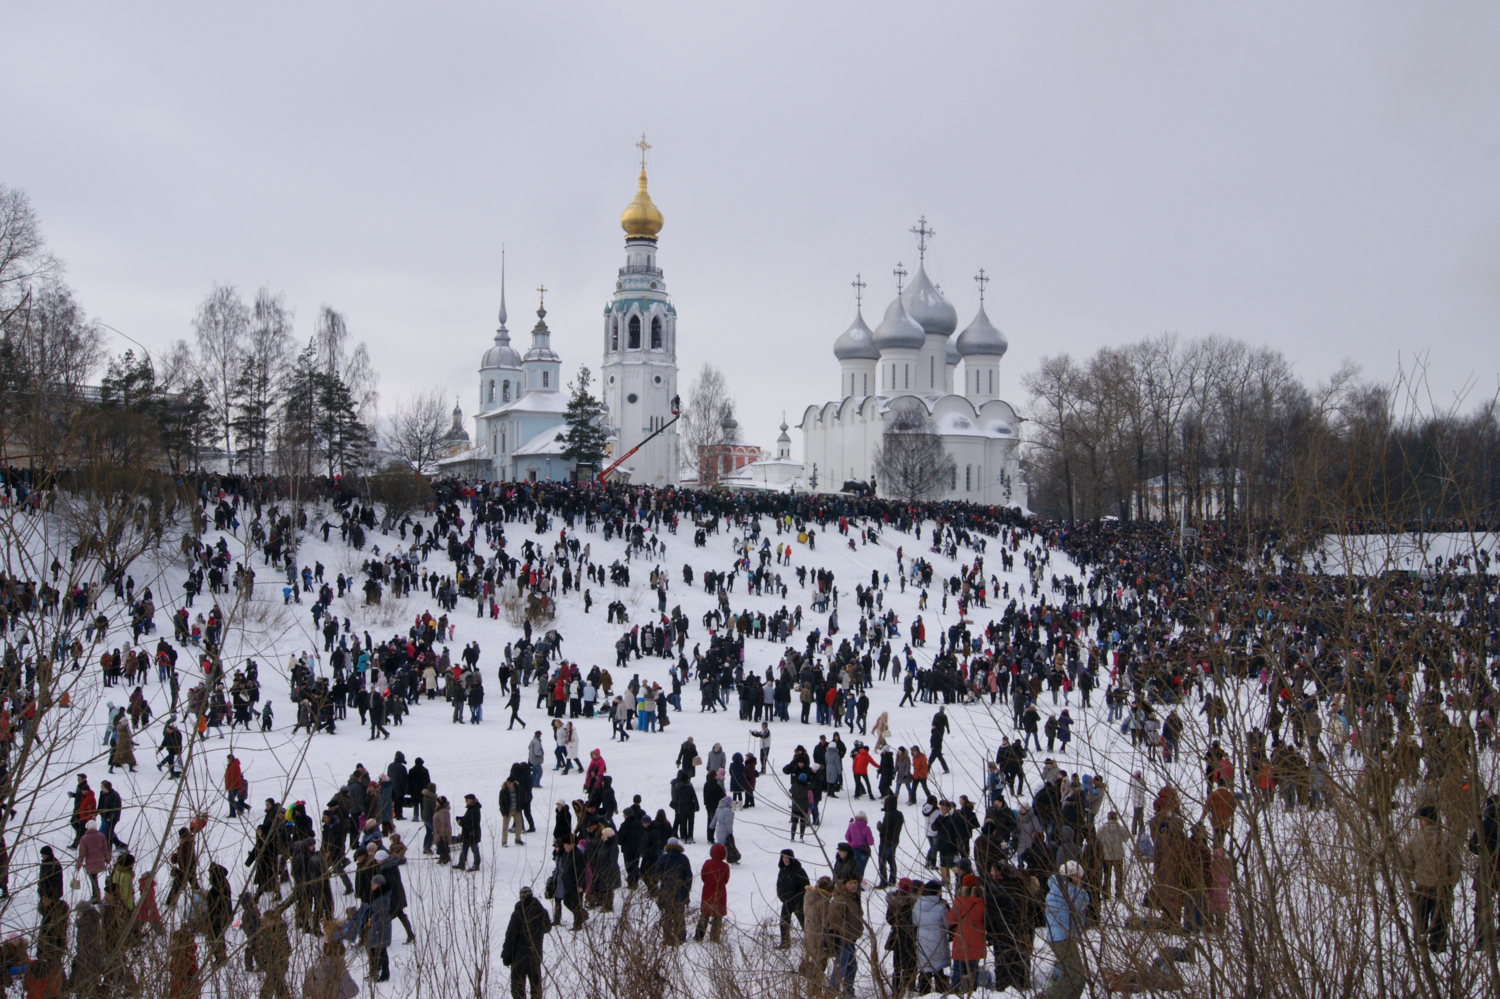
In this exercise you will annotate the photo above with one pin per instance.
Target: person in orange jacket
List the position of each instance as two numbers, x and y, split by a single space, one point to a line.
236 787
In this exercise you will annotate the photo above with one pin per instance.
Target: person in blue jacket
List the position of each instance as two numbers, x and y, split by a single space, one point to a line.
1066 903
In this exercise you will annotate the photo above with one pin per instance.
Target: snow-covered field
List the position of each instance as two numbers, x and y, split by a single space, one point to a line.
465 759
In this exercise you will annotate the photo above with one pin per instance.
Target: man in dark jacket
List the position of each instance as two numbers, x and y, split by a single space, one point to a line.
791 885
950 832
417 779
674 882
633 823
889 827
468 829
397 773
522 950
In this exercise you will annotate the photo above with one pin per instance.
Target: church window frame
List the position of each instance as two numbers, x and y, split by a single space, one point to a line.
656 336
992 381
545 377
633 334
492 390
504 390
614 340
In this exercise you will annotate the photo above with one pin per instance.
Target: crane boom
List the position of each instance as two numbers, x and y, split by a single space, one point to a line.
676 415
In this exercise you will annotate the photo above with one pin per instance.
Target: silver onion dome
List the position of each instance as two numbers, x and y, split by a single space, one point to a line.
981 337
898 331
856 343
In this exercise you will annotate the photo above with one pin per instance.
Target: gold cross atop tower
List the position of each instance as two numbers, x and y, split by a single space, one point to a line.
643 145
541 295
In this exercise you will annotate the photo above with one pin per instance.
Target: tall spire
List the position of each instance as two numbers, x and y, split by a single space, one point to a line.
502 288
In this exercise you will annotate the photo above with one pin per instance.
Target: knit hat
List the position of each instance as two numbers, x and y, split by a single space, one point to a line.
674 841
526 891
788 853
1071 870
382 856
904 884
970 881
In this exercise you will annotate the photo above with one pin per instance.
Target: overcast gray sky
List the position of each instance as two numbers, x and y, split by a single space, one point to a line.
1323 178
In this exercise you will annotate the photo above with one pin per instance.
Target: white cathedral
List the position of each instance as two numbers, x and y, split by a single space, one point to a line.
523 403
912 359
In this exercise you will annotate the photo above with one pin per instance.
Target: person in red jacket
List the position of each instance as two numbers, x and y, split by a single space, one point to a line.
84 807
595 771
235 787
714 905
967 919
861 768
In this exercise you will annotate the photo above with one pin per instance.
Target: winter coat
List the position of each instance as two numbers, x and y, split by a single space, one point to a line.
815 922
595 771
378 921
1066 903
1112 838
791 882
737 774
674 877
469 824
1431 857
846 919
442 825
93 852
123 755
967 919
858 835
714 761
929 915
715 876
604 863
529 925
724 821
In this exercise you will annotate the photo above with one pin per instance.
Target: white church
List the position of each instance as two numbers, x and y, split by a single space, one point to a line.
913 359
523 401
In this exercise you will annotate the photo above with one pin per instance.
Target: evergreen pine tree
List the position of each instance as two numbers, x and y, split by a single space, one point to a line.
585 434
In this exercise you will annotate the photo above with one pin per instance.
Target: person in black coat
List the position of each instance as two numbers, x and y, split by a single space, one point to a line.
571 876
397 773
658 832
889 828
49 882
684 806
791 886
417 779
603 868
674 883
522 950
633 825
468 832
1013 909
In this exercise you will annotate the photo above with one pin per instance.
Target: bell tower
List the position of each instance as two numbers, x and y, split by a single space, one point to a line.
638 377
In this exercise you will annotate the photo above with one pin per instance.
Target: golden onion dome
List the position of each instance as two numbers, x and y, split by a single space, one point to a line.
641 219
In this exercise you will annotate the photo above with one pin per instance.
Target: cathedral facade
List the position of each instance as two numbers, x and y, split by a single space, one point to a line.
523 403
912 359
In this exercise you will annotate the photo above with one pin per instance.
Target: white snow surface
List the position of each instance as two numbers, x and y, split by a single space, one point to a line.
467 758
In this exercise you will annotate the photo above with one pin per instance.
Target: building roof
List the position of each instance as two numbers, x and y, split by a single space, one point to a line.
547 444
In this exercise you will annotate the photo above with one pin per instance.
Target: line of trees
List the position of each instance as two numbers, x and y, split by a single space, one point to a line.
242 390
1176 428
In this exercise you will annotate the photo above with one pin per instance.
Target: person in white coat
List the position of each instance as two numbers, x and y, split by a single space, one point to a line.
928 916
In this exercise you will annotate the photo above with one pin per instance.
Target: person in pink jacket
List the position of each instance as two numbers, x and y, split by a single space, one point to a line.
595 770
93 855
860 840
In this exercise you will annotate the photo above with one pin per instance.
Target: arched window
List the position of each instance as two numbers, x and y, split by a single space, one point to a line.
992 380
545 374
867 384
504 390
492 390
976 381
634 343
968 478
656 333
932 372
614 338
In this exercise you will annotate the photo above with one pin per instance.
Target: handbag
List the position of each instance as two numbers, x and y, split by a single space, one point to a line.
549 890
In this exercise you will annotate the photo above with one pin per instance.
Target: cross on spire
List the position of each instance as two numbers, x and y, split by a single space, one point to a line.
900 273
859 291
643 145
541 296
923 232
981 279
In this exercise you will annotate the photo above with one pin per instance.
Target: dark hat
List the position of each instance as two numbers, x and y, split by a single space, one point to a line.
788 853
526 891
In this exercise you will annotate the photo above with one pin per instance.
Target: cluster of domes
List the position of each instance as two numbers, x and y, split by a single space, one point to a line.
918 312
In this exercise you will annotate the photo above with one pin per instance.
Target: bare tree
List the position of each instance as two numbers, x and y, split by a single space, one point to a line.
418 427
708 404
24 260
222 324
267 349
910 462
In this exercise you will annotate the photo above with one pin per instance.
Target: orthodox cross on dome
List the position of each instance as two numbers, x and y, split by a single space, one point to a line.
541 294
981 279
923 232
859 291
900 273
643 145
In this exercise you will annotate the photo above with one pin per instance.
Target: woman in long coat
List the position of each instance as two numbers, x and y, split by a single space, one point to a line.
123 755
967 919
928 915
